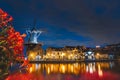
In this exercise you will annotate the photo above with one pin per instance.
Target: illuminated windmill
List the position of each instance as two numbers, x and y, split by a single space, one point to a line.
34 49
33 34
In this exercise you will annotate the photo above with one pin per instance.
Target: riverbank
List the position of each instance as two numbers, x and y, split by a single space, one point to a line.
71 61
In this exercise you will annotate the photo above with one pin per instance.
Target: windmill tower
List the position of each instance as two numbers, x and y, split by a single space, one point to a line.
34 49
33 35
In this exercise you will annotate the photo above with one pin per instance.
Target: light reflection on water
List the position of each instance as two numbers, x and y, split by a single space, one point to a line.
75 68
71 71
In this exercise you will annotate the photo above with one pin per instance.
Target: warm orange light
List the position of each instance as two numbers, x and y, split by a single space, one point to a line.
48 70
23 35
98 54
63 68
91 69
100 73
31 55
31 69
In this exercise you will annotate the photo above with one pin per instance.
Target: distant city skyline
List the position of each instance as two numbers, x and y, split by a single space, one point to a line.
68 22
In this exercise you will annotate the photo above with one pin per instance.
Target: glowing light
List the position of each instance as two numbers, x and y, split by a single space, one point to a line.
23 35
100 72
89 52
37 66
48 70
62 54
31 69
25 58
63 69
52 67
91 69
97 46
31 55
72 68
98 54
86 68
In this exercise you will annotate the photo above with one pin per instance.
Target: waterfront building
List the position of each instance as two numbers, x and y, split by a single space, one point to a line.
89 55
73 52
55 53
114 50
99 56
65 53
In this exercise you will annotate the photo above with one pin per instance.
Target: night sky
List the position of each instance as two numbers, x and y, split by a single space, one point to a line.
68 22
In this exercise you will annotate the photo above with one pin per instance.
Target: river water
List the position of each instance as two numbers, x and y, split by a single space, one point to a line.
69 71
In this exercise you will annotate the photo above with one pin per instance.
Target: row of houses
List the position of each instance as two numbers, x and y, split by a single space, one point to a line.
67 52
73 53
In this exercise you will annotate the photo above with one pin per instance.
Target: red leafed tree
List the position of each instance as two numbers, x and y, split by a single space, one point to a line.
10 39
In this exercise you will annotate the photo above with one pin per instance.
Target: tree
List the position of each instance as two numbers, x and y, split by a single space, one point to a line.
11 41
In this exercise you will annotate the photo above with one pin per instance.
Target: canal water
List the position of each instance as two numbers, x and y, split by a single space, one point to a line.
69 71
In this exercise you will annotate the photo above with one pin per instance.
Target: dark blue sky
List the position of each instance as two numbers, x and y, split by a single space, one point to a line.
68 22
